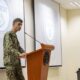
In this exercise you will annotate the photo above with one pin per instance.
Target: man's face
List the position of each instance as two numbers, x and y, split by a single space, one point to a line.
18 26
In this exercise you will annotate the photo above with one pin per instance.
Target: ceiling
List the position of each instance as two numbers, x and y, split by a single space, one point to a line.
69 4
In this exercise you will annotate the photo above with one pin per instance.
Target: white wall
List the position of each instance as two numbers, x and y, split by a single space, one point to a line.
61 73
70 26
28 29
74 43
3 75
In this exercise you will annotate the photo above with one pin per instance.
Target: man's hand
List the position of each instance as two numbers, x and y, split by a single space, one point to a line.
23 55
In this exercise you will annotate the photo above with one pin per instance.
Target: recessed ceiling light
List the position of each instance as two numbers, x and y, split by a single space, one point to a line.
71 3
75 4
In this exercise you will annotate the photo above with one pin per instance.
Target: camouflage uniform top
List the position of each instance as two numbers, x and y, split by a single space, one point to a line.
11 49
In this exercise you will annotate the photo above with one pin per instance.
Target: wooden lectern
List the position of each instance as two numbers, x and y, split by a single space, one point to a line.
38 62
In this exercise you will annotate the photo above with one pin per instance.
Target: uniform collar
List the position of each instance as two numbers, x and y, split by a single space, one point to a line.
13 33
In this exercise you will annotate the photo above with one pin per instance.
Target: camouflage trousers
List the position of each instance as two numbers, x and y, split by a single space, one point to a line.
14 73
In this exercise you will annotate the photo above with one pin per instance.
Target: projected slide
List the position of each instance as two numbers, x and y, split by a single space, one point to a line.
4 15
47 28
9 10
47 20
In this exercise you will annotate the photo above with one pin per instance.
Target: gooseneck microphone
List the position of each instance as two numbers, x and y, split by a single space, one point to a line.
32 38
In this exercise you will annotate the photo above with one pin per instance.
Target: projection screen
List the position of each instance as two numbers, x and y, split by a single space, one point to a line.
47 28
9 10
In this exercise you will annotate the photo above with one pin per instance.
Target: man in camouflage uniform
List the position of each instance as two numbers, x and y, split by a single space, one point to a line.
12 52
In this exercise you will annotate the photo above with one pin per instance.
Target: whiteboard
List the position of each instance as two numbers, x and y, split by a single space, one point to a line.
9 10
47 28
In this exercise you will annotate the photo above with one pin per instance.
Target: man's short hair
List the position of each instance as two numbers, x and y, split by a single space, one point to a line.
17 20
